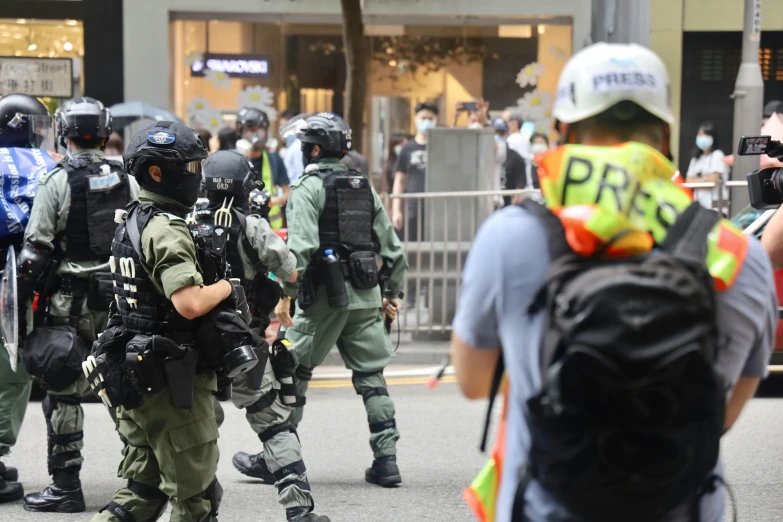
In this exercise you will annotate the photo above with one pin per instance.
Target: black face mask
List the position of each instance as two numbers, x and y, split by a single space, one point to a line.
179 185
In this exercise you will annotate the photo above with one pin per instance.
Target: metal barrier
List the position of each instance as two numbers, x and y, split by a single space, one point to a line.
436 243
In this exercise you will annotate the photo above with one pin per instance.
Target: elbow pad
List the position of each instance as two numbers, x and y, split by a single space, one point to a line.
32 262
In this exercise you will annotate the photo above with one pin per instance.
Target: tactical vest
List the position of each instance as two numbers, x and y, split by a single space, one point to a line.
346 221
205 226
97 190
142 308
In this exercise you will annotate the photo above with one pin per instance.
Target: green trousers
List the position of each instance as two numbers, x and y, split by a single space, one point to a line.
14 394
366 350
62 409
171 455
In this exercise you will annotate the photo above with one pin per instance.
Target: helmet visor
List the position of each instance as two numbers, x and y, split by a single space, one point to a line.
294 125
194 167
41 132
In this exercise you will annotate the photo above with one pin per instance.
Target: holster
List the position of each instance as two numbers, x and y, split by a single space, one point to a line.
306 294
284 363
256 375
181 375
156 361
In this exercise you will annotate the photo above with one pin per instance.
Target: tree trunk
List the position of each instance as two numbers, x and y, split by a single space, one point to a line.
356 66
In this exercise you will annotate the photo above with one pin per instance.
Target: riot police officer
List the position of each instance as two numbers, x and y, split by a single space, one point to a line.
253 250
157 360
337 229
68 238
16 130
253 125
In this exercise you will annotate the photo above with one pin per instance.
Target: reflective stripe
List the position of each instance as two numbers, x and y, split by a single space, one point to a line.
624 196
275 213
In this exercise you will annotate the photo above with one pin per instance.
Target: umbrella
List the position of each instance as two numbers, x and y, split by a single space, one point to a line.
128 112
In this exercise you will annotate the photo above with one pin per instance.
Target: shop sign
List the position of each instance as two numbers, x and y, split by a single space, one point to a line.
234 65
52 77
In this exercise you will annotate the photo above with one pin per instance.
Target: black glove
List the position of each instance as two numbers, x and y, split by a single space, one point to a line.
233 330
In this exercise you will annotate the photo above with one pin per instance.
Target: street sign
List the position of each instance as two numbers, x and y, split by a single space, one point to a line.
51 77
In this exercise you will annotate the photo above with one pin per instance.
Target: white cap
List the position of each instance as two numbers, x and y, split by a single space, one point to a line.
603 75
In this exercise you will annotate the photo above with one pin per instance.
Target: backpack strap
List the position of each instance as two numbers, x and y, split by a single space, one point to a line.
497 378
687 237
134 229
558 246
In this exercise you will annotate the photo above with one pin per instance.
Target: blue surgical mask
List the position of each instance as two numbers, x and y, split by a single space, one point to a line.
290 139
397 150
704 142
424 125
500 139
538 148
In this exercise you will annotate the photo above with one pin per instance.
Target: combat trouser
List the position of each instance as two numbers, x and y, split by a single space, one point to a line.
62 409
365 348
14 395
268 417
171 455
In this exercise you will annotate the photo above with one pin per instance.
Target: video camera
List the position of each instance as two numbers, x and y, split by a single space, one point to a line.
765 186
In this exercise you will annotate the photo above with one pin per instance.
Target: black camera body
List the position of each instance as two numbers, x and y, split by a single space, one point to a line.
765 186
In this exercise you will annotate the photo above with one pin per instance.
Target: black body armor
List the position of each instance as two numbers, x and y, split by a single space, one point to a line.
346 222
97 190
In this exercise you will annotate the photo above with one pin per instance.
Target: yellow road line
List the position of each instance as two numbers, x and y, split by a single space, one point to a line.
346 383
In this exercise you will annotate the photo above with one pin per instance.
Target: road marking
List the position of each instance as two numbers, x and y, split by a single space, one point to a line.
427 371
448 379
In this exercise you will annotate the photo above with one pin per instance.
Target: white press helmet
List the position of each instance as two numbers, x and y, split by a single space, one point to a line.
603 75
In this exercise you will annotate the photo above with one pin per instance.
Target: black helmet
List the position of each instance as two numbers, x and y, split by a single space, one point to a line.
252 116
229 173
329 131
165 142
82 118
16 114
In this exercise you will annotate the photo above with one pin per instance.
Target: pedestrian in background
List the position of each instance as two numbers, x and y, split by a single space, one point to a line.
395 149
706 166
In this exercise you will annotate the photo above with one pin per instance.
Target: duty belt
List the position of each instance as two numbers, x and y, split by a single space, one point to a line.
77 288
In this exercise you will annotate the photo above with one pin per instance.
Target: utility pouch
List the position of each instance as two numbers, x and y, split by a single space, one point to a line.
181 376
306 296
100 291
144 365
364 270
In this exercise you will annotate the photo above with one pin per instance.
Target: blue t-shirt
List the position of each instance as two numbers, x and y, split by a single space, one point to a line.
505 269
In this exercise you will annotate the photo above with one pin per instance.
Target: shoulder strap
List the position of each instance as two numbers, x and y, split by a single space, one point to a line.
687 237
494 388
558 246
138 213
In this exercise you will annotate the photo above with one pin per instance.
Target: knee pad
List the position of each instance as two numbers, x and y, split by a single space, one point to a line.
214 494
151 494
270 432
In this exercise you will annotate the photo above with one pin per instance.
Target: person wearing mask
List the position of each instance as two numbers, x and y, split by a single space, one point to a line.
539 142
518 142
227 139
626 462
72 226
339 296
395 149
510 167
17 134
707 166
253 126
411 169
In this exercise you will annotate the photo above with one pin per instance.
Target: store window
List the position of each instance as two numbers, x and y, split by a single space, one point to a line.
22 37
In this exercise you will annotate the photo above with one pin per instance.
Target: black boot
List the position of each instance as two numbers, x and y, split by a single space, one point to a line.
384 472
304 514
253 466
64 496
10 491
8 473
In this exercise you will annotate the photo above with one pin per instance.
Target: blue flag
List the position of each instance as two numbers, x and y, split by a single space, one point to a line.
20 170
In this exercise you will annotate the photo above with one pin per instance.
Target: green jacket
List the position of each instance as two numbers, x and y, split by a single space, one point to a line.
170 256
49 215
303 210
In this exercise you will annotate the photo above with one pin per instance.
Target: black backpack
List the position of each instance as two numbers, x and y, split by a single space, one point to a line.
628 421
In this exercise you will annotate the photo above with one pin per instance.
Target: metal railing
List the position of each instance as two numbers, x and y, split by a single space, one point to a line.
437 234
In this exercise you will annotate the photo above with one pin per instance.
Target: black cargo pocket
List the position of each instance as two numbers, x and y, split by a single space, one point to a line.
364 270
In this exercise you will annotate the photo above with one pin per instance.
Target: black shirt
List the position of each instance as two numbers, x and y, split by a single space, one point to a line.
513 174
413 162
